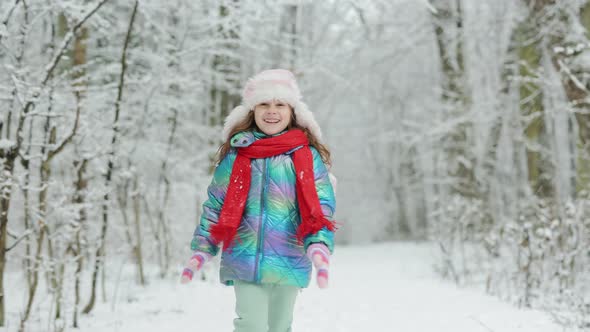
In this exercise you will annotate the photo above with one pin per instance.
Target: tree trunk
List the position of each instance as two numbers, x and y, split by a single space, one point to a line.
9 156
122 199
27 181
529 54
162 228
137 212
100 250
222 100
81 185
45 173
79 60
6 188
156 234
288 28
579 96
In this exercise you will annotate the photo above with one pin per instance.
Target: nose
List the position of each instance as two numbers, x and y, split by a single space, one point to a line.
272 108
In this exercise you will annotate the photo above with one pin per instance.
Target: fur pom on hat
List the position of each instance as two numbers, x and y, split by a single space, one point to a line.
265 86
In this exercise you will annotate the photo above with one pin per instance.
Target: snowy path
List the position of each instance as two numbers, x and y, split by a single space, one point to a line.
388 287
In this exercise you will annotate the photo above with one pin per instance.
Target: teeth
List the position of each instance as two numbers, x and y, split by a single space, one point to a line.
271 121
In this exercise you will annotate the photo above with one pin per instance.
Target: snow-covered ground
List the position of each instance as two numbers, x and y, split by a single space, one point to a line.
385 287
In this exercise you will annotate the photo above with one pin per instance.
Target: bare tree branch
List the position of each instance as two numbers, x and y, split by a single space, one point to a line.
52 153
67 39
52 65
8 15
20 238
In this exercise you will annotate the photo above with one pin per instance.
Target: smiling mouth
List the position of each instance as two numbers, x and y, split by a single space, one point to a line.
272 121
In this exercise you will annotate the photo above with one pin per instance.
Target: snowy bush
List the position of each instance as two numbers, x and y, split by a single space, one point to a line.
541 259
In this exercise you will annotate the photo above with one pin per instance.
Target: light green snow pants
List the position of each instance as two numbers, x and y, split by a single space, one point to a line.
262 308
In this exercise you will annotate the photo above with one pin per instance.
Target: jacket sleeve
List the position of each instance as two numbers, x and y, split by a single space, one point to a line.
327 202
212 206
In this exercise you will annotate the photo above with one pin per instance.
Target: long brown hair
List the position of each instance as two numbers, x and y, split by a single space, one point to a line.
249 124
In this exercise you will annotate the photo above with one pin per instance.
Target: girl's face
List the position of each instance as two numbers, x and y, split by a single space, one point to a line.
272 117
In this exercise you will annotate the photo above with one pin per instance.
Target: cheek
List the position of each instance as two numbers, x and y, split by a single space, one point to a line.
286 114
258 117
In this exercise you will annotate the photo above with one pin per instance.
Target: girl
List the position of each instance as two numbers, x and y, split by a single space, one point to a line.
271 204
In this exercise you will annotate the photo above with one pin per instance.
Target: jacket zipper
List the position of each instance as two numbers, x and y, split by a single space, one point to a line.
261 224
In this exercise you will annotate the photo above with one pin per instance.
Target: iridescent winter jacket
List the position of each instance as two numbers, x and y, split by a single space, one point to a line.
268 251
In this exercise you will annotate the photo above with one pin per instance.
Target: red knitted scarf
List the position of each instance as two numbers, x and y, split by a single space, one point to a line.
312 217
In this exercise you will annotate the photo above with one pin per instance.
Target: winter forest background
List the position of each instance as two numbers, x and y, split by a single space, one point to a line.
464 123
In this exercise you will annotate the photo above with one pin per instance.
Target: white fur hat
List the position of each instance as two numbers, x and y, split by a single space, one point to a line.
265 86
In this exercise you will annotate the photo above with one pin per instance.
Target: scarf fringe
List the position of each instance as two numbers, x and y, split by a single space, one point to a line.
313 225
223 233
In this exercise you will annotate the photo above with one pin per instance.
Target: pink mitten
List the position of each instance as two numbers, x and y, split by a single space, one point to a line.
319 254
195 263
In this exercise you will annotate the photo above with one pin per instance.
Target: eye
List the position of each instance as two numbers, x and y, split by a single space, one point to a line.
263 104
